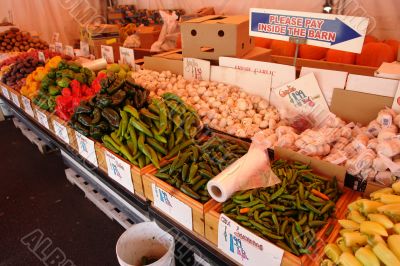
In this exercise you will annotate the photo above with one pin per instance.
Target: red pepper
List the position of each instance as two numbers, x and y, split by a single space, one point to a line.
66 92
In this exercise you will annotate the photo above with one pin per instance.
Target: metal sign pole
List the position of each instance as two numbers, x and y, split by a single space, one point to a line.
297 41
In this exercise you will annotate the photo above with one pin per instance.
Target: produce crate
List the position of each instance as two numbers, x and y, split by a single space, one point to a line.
300 62
70 131
213 215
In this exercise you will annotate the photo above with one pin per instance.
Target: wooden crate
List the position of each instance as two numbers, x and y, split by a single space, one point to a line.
289 259
198 209
352 69
70 131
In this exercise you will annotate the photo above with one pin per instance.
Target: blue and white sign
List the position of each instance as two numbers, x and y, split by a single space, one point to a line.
344 33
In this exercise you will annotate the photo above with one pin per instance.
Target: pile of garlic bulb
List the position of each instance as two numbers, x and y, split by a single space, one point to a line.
221 106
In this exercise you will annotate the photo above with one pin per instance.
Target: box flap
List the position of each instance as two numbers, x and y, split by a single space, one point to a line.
202 19
220 19
358 106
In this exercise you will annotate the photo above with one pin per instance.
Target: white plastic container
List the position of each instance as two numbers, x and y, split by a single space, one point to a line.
145 240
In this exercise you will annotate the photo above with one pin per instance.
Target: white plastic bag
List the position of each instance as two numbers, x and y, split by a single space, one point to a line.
132 41
169 33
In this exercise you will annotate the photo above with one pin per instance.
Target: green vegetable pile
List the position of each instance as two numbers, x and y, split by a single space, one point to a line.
191 170
101 114
59 78
145 135
290 213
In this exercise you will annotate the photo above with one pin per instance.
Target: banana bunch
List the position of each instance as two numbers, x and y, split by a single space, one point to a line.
371 232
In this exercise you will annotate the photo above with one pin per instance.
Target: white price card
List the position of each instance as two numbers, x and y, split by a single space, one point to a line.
86 148
84 47
61 131
15 99
244 246
42 119
172 206
194 68
58 47
5 92
107 53
69 50
52 47
41 56
127 56
119 170
55 37
27 106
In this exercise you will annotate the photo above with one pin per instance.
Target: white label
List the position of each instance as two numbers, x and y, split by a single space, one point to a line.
5 92
41 56
244 246
61 131
15 99
52 47
119 170
27 106
107 53
69 50
127 56
42 119
396 100
58 47
372 85
84 46
172 206
326 30
86 148
281 74
55 37
196 69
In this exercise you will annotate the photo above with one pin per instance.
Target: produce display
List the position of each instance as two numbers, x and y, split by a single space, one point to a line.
146 135
371 232
221 106
191 170
31 53
66 76
17 72
18 41
101 114
290 213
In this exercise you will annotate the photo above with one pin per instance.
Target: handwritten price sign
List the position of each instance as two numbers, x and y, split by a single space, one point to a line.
42 118
119 170
61 131
107 53
127 56
5 92
86 148
194 68
27 106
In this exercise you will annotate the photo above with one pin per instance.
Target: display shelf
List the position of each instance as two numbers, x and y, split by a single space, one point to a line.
190 248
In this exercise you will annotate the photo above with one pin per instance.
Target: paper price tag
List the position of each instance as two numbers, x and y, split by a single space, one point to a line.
107 53
55 37
172 206
61 131
194 68
86 148
244 246
69 50
58 47
5 92
41 56
42 119
52 47
27 106
119 170
84 46
127 56
15 99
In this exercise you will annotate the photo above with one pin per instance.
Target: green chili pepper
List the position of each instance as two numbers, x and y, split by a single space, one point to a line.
188 191
199 184
140 126
184 173
163 176
311 207
131 110
256 207
193 171
153 156
157 146
328 206
251 203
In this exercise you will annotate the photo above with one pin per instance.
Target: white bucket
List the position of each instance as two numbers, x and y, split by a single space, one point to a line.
145 240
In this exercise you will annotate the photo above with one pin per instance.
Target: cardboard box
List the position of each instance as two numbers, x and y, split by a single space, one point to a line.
148 35
210 37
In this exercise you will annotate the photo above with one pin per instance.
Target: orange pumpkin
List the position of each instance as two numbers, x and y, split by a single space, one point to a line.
374 54
394 44
283 48
179 42
340 57
312 52
262 42
370 38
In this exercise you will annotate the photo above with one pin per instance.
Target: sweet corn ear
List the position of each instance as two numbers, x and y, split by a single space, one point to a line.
372 228
367 257
332 251
381 219
347 259
385 255
356 216
394 245
354 239
349 224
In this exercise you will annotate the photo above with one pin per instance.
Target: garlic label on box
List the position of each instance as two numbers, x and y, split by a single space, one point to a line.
84 47
107 53
244 246
127 56
86 148
5 92
196 69
119 170
27 106
15 100
42 119
58 47
172 206
61 131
